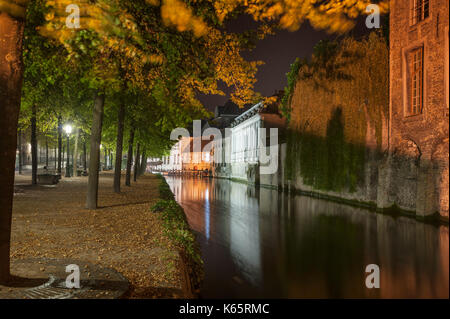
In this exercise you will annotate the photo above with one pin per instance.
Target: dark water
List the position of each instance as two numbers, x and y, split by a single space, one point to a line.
262 243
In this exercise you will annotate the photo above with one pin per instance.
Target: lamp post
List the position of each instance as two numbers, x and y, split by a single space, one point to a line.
68 130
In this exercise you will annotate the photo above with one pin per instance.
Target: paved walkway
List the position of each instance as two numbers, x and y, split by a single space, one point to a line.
44 278
122 235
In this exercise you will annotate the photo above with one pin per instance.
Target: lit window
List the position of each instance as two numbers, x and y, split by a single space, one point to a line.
420 10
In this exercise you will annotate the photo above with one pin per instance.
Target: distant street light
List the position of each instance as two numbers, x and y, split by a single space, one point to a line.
68 130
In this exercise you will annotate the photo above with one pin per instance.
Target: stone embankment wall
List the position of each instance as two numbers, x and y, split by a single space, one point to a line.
347 141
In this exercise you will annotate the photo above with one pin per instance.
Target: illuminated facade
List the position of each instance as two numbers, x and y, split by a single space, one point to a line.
416 176
194 159
247 144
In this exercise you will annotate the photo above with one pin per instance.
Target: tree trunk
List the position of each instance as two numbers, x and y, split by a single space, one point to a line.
75 153
46 152
119 147
11 73
24 155
94 159
20 152
84 155
106 159
59 144
143 163
34 155
136 162
130 156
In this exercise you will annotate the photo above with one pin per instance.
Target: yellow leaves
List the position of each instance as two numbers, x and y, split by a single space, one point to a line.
153 58
264 30
331 15
176 13
270 100
231 68
153 2
223 8
118 34
15 8
49 16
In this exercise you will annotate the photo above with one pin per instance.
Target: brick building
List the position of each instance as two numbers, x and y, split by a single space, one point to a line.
416 175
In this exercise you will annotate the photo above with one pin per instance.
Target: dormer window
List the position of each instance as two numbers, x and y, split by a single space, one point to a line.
420 10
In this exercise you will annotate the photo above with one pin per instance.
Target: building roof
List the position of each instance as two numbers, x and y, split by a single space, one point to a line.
225 114
230 109
260 107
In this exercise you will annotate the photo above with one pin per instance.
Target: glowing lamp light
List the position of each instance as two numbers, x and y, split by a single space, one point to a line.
68 129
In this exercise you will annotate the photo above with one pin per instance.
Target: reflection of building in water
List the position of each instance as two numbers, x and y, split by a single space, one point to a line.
235 226
298 246
316 248
188 190
177 187
244 233
207 215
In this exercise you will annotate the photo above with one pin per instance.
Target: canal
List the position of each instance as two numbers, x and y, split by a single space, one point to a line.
260 243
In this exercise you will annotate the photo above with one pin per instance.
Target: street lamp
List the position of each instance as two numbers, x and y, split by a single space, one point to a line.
68 130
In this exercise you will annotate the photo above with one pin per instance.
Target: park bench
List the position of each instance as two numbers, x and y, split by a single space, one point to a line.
48 178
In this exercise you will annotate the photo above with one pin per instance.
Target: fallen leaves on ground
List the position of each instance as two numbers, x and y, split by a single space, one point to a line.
122 234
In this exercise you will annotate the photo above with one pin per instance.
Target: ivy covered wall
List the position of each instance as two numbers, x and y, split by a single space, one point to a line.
336 106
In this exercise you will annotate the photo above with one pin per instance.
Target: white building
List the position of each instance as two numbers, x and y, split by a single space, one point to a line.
173 161
247 144
238 153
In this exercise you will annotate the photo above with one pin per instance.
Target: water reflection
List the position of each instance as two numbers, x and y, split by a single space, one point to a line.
262 243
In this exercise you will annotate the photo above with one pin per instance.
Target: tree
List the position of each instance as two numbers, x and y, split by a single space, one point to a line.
11 72
84 154
96 136
119 144
34 160
129 157
75 152
19 147
143 166
136 161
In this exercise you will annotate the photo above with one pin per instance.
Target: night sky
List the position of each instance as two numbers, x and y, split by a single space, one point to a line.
278 52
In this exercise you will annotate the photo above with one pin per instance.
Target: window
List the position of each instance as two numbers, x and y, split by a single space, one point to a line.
416 81
420 10
446 67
